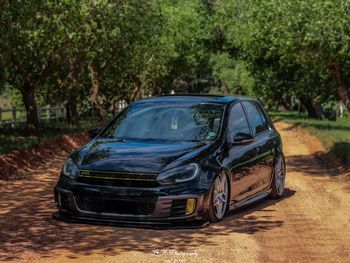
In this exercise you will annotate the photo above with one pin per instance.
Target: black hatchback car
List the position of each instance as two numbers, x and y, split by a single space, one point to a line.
172 159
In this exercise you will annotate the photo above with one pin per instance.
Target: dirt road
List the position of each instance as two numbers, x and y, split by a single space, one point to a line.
310 224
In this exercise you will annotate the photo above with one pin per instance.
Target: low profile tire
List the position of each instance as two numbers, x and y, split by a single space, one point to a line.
219 198
279 177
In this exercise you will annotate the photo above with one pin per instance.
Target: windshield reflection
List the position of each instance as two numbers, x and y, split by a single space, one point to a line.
193 122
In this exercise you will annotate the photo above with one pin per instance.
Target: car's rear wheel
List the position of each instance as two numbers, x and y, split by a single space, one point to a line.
219 199
279 176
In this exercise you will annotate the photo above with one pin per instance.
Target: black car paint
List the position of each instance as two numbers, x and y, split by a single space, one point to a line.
136 156
248 166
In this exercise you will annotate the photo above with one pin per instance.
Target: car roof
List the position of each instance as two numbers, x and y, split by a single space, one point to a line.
210 98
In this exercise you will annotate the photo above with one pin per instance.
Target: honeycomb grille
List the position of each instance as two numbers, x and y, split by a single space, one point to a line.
112 206
118 178
178 208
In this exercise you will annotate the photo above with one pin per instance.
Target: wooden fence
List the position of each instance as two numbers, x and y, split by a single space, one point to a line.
121 105
16 116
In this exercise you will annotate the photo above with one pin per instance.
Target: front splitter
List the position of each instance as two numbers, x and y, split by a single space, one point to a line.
133 224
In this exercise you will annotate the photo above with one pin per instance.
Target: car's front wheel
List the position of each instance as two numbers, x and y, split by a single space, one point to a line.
219 198
279 176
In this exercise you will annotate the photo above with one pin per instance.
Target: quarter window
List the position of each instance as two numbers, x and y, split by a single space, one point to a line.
263 117
237 121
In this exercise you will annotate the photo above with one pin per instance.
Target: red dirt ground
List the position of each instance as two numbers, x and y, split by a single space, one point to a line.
311 223
19 164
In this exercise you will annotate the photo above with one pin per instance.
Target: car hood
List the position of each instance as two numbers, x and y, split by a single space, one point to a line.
136 156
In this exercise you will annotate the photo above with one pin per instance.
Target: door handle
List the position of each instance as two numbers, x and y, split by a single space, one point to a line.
257 150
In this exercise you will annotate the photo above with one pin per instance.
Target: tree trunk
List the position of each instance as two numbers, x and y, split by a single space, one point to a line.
225 90
136 94
95 89
73 91
312 107
74 113
340 85
71 112
155 90
284 104
113 105
68 117
28 95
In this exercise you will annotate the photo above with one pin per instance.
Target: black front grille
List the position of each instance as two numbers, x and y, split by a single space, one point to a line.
118 178
112 206
178 208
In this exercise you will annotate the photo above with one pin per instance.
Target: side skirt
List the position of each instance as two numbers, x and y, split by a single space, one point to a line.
251 199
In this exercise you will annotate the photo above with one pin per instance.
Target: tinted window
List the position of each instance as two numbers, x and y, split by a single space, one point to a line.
237 121
263 117
254 117
175 122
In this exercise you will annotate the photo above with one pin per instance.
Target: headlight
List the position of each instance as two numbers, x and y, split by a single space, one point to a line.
70 169
180 174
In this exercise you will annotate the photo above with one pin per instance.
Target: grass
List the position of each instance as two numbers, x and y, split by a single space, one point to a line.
334 135
19 138
8 115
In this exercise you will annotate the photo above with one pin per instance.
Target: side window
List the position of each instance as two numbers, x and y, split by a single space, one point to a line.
237 121
263 117
254 117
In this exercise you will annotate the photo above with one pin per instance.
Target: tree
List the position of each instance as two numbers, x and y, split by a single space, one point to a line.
33 35
234 76
88 55
312 35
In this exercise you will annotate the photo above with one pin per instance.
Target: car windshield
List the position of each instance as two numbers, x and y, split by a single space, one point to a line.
180 122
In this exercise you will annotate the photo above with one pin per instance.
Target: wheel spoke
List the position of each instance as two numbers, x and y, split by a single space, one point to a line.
224 185
280 176
216 201
219 209
223 208
220 182
218 185
220 195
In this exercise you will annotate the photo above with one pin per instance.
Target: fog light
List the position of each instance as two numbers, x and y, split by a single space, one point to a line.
190 206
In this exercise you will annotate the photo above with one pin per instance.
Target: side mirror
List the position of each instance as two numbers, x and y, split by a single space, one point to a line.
93 132
243 138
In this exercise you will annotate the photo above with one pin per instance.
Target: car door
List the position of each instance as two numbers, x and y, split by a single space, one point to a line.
239 158
263 147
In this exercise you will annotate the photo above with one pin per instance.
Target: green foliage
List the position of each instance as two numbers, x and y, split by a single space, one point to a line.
10 97
91 54
32 35
290 45
234 75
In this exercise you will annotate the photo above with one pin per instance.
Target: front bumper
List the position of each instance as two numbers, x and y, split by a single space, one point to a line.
153 206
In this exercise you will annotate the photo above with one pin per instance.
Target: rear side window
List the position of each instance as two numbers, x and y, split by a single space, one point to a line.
263 117
237 122
256 121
